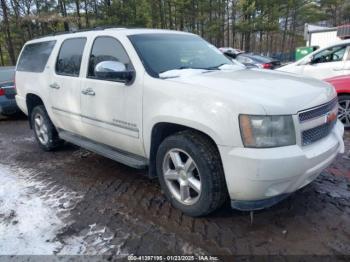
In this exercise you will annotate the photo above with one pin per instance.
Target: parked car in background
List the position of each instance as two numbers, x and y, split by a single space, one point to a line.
8 104
251 60
259 61
342 86
230 50
208 129
323 63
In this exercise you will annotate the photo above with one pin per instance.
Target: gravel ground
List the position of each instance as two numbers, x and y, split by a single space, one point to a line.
91 205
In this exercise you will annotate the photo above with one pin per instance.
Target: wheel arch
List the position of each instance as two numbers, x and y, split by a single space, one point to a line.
162 130
343 94
32 100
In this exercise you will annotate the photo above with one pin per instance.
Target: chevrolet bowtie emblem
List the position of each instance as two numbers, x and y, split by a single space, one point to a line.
330 117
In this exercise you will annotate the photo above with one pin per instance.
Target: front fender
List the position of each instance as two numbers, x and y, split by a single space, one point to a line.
211 118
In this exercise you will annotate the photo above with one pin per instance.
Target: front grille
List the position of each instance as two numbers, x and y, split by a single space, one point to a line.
318 111
316 133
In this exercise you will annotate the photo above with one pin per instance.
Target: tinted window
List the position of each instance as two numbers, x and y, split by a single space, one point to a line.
107 49
7 74
69 58
332 54
164 52
34 56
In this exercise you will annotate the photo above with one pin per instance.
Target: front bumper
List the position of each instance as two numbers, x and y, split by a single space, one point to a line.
268 174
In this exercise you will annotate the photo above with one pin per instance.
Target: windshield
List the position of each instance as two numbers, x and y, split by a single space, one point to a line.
163 52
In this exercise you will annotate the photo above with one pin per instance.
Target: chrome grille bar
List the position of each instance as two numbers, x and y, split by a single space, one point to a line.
318 122
318 111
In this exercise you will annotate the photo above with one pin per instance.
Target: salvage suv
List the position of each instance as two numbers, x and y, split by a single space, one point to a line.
170 101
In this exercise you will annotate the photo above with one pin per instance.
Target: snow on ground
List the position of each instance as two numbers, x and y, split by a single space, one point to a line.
27 224
33 213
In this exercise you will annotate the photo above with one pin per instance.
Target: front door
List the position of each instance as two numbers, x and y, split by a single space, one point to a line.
327 63
65 83
111 109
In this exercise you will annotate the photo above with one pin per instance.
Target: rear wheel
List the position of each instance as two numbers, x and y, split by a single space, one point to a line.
44 131
190 173
344 110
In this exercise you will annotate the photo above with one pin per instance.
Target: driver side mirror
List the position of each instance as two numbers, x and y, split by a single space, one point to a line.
113 71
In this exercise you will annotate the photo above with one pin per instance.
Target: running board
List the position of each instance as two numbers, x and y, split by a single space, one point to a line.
104 150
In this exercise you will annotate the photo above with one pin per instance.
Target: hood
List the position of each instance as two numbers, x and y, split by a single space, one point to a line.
276 92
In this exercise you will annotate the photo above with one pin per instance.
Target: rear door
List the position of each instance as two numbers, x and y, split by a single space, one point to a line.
65 85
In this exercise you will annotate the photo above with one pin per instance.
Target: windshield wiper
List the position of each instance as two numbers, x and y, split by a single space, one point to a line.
215 67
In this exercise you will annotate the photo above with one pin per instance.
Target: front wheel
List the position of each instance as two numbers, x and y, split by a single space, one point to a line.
191 174
344 110
44 131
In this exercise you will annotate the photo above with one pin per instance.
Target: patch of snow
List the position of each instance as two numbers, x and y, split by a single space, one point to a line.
228 67
188 72
34 211
181 73
27 224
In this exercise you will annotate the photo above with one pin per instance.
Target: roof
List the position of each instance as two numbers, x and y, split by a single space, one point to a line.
118 30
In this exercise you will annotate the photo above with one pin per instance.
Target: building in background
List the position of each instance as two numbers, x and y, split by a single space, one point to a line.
320 36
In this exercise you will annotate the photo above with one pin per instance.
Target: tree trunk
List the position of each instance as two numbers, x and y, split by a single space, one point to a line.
170 15
62 5
2 57
285 29
260 42
7 32
77 6
233 23
87 23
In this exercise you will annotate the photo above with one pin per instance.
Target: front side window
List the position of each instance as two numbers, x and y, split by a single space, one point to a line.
106 48
34 57
332 54
69 58
164 52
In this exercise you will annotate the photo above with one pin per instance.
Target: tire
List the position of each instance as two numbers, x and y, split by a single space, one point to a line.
45 133
344 110
211 192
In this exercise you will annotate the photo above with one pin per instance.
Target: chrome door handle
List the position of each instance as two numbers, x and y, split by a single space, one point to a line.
55 86
88 92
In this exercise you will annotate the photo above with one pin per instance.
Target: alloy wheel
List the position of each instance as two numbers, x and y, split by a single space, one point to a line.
41 129
344 112
182 176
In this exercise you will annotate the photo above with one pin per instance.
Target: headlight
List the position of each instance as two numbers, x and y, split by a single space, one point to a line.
267 131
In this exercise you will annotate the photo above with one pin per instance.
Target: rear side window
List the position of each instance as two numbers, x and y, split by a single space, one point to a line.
34 57
69 58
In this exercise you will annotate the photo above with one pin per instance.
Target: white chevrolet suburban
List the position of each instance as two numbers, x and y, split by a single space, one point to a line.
208 129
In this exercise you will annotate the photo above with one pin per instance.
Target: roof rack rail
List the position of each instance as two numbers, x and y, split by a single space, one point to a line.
79 31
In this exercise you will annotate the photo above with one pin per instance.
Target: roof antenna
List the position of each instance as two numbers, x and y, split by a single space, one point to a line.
251 217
